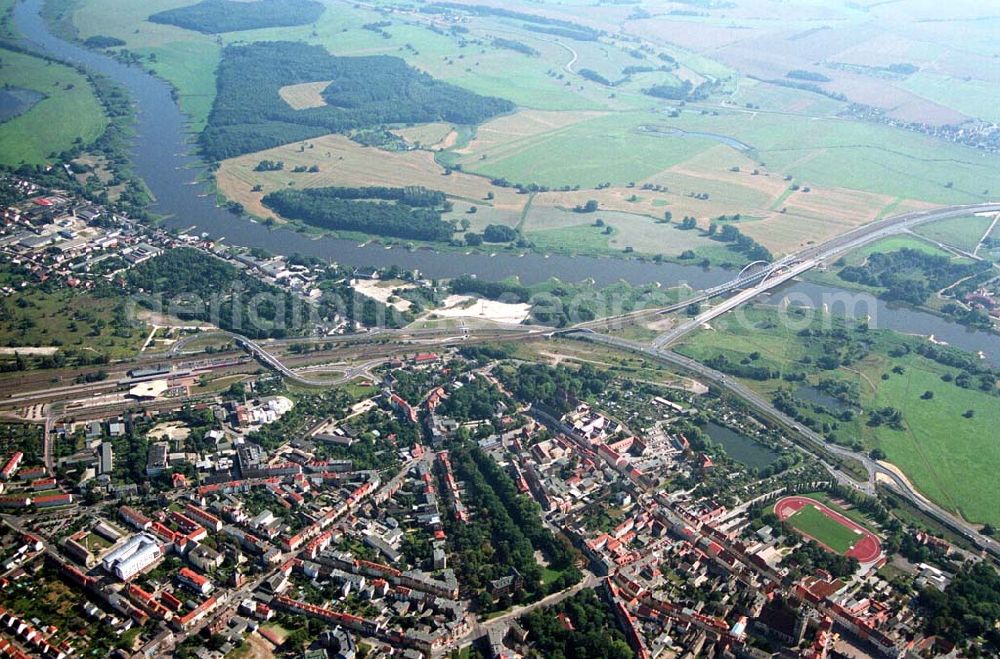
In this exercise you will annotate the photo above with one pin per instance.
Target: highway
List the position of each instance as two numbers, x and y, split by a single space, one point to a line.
779 277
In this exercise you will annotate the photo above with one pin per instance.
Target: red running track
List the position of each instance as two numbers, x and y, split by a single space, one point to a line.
866 550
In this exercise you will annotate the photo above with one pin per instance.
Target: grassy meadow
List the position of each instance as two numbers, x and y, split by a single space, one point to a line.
69 111
949 457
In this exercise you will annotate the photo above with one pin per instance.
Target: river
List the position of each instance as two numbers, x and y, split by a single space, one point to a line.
163 156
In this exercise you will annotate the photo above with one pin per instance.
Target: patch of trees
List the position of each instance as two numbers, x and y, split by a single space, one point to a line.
594 76
744 370
202 287
102 41
511 44
409 214
975 318
968 608
809 557
215 16
972 368
813 76
903 68
808 87
475 401
559 388
485 353
249 114
578 33
784 401
633 69
595 632
670 92
743 243
269 166
491 290
499 233
909 275
887 416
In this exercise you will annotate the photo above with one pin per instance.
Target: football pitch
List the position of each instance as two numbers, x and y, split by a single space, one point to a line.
810 521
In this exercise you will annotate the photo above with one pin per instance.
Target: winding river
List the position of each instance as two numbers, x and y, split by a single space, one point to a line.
163 156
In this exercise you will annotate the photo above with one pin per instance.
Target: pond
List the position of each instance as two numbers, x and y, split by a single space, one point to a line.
15 101
811 394
744 450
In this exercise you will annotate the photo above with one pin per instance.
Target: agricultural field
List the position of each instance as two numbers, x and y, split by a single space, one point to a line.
973 98
67 110
818 152
781 157
964 233
947 454
343 162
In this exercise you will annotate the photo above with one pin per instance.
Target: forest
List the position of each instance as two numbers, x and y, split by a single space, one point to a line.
215 16
249 114
193 285
394 212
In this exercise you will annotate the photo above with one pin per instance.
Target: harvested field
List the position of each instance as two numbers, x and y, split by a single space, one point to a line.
434 136
342 162
305 95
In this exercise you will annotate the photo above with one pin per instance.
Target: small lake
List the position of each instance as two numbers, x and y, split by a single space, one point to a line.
15 101
742 449
811 394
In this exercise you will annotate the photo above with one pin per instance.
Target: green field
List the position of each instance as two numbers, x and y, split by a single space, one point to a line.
66 319
810 521
963 233
975 98
602 149
853 514
948 457
829 152
69 111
